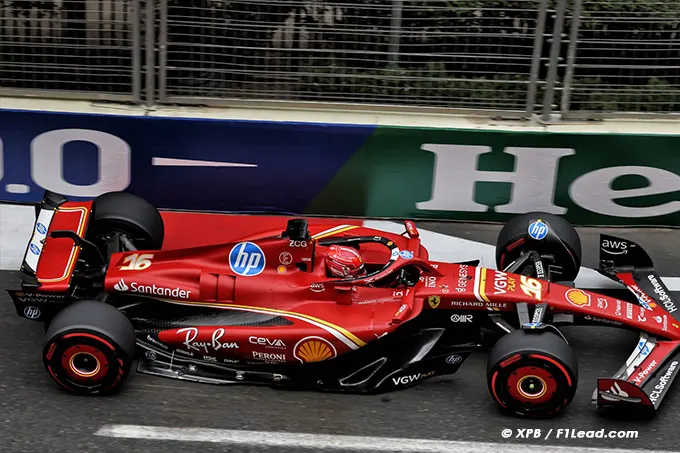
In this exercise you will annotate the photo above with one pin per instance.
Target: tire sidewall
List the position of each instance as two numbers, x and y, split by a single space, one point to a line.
542 351
99 330
117 362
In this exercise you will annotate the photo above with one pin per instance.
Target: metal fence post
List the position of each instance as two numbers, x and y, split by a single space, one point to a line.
150 54
571 57
536 58
163 52
395 32
135 20
551 79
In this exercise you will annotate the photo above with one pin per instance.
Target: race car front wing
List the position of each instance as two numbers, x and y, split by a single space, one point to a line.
644 380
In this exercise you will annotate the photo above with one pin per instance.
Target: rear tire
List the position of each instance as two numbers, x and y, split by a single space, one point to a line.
89 348
122 212
561 241
532 375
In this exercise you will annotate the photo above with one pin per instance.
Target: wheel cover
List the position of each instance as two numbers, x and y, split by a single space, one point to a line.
84 363
531 384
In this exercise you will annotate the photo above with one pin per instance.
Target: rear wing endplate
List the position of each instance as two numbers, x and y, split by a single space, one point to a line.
44 213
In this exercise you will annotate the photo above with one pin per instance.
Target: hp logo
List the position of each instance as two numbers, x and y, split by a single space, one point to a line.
538 230
246 259
34 249
41 228
453 359
32 312
643 348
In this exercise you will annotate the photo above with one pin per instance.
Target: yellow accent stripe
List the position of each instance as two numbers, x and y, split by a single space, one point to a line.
341 330
482 285
324 234
74 251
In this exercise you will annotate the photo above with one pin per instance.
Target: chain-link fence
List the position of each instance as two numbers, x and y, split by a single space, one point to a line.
70 48
420 53
626 57
518 57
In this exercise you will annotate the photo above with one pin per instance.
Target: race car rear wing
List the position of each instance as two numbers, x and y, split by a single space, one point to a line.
44 213
50 258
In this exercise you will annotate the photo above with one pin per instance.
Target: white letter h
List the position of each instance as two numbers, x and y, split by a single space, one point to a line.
533 179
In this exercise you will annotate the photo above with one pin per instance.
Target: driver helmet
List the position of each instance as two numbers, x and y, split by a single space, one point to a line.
343 261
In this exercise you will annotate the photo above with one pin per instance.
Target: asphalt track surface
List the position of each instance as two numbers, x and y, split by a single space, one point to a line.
37 417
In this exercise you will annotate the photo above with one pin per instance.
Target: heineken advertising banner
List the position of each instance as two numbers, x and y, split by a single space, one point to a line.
346 170
482 175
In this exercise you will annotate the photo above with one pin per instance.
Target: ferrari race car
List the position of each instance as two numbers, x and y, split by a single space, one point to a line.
264 310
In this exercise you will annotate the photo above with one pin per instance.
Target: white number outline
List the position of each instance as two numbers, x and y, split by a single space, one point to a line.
137 262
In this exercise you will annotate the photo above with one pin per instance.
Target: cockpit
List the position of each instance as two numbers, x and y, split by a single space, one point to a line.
385 264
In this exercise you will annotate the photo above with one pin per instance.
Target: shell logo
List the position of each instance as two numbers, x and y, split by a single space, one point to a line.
578 297
314 349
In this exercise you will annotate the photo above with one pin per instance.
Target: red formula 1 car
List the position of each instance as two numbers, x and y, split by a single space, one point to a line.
264 309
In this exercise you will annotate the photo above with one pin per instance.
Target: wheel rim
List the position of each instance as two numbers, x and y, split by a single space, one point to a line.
531 386
84 364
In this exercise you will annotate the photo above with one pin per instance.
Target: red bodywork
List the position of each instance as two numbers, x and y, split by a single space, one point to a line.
54 273
326 317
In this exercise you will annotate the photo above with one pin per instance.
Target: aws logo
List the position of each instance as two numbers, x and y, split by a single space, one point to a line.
614 247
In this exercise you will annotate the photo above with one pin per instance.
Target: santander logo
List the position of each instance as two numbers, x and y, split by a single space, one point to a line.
121 286
152 289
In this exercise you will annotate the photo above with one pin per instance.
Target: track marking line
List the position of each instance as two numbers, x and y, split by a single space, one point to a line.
319 442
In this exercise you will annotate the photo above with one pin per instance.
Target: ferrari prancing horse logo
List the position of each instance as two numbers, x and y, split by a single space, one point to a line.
434 301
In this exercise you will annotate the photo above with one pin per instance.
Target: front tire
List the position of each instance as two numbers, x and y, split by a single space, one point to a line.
532 375
89 348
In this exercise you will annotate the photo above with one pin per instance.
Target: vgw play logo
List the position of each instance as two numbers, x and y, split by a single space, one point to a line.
247 259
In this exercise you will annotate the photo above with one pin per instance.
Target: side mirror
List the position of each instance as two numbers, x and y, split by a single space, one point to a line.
411 229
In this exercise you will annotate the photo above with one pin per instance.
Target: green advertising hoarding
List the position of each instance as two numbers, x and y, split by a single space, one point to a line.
483 175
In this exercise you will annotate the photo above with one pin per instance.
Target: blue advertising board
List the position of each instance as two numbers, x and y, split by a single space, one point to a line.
344 169
173 162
